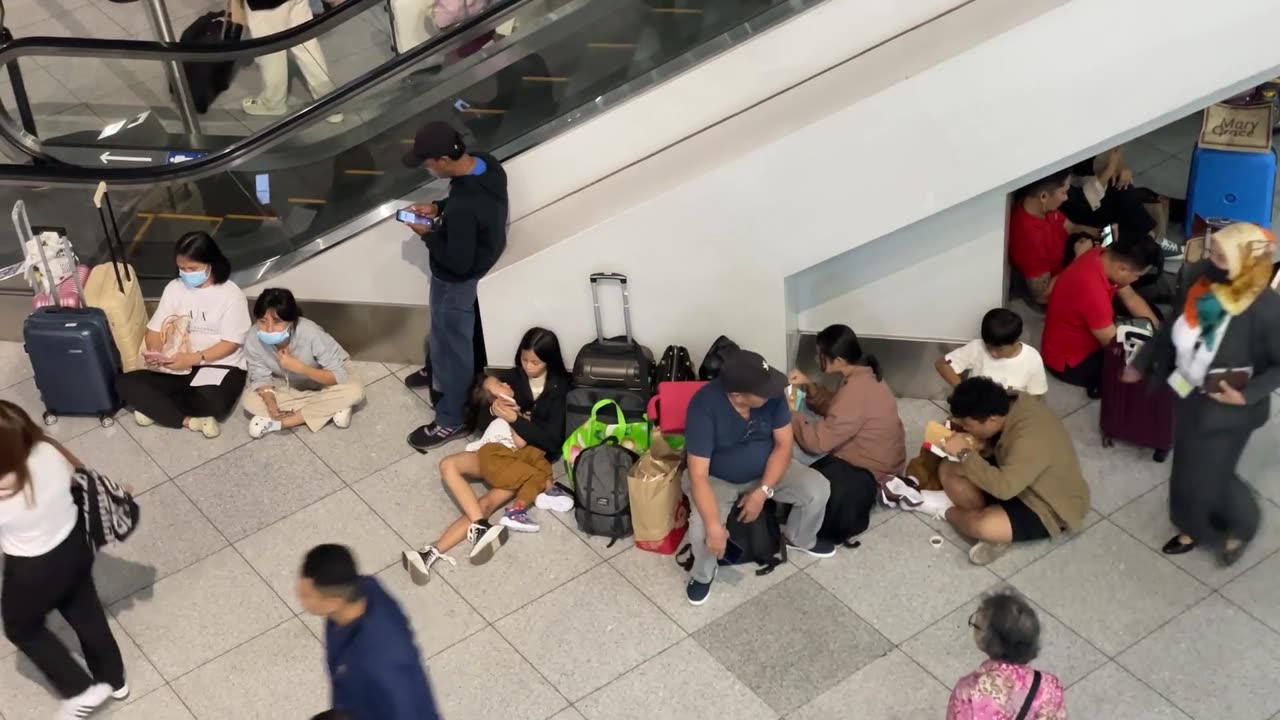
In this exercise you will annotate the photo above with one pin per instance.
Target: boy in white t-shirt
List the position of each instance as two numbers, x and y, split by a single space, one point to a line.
999 354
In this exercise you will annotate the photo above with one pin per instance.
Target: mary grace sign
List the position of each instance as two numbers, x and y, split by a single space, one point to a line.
1245 128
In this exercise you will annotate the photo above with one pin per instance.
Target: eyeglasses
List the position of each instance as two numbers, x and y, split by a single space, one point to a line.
973 621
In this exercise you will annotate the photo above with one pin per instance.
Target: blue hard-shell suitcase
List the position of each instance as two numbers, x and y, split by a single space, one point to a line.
72 351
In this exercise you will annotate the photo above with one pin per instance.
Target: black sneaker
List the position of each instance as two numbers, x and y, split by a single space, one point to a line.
821 548
485 540
418 563
420 378
428 437
698 592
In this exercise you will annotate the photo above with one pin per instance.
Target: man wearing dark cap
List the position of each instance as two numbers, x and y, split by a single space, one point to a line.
466 237
738 438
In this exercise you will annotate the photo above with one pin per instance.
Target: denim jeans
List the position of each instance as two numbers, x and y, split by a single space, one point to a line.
449 345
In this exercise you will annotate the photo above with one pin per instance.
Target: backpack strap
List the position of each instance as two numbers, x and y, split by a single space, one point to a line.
684 557
1031 697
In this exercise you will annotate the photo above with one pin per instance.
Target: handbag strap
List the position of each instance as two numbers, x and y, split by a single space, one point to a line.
1031 697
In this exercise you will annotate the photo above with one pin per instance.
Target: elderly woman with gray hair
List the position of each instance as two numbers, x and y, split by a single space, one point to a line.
1005 687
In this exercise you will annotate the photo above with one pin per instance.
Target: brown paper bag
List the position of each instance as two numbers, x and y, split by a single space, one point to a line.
1244 128
659 513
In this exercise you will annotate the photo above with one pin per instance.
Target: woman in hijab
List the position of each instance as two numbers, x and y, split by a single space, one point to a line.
1222 357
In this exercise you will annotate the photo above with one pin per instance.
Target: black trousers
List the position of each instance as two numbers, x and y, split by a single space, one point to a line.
853 494
62 580
1208 501
170 399
1118 207
1086 374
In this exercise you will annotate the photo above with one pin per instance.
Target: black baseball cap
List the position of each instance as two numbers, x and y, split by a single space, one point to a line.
434 140
746 372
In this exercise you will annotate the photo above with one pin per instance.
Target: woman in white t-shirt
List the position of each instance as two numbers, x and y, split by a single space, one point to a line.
196 388
48 566
999 354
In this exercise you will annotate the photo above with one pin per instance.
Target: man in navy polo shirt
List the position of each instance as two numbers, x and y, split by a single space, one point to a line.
738 438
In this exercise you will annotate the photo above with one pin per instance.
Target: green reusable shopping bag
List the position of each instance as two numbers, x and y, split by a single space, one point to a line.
633 435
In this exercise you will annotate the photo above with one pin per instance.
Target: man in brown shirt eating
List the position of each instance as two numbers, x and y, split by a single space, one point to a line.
1028 487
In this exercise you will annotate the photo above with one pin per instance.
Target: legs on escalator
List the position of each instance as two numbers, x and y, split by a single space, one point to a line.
274 68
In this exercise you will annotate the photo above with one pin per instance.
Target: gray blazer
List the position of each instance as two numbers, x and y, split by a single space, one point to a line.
1252 340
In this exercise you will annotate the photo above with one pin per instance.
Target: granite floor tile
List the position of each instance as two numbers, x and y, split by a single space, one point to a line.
1217 635
177 451
1116 475
114 453
630 631
792 643
891 688
1258 591
478 677
162 704
1112 692
683 681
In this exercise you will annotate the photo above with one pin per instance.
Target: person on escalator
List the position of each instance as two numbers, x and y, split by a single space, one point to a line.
268 17
466 235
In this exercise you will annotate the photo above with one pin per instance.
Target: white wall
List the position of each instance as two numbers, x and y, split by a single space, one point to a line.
711 253
761 67
943 273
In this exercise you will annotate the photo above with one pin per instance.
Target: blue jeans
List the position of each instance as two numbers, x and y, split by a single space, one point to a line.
449 345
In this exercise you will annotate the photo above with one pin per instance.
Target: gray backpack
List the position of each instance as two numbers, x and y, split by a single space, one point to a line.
602 506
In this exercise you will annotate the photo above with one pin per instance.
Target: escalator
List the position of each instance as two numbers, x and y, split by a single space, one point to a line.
276 194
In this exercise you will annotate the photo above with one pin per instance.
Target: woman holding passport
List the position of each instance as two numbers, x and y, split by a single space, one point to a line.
1222 358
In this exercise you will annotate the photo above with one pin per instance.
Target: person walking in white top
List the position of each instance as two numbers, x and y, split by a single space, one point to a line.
268 17
49 566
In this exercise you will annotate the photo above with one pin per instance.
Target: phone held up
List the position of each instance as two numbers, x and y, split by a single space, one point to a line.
409 216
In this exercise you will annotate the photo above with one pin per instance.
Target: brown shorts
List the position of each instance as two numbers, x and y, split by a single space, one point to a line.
524 472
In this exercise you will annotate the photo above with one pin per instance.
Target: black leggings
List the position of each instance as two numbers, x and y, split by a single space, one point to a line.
853 494
170 399
62 580
1086 374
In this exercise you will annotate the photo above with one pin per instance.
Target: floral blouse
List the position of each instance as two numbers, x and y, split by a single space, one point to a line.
997 690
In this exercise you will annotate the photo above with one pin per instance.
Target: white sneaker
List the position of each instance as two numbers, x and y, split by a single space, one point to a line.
555 500
256 106
933 503
83 705
343 419
1171 250
904 491
260 426
120 693
985 553
206 426
418 563
142 420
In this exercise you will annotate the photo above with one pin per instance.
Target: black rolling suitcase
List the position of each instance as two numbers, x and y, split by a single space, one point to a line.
208 80
617 368
72 351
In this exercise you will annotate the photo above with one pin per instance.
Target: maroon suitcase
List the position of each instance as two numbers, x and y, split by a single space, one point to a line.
1135 413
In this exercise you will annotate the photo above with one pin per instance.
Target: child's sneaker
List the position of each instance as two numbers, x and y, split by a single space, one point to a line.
260 426
343 419
556 500
517 518
485 540
418 563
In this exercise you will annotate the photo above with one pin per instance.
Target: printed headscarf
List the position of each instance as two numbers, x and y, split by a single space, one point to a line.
1249 250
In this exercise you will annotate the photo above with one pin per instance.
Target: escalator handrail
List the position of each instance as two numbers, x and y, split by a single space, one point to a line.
224 158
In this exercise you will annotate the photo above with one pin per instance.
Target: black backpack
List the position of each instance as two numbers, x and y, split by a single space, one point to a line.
711 364
760 540
676 365
602 505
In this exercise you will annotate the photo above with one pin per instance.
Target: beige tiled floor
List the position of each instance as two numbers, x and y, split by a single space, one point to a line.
559 626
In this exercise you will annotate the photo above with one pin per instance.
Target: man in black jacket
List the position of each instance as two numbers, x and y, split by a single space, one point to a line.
465 238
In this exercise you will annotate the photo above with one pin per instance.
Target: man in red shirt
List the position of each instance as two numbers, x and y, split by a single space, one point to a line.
1080 321
1038 233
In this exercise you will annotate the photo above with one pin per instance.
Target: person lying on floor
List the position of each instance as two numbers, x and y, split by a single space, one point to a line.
195 365
298 374
525 408
1032 488
857 427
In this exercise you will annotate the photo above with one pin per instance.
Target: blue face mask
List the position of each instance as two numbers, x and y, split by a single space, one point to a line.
194 279
273 338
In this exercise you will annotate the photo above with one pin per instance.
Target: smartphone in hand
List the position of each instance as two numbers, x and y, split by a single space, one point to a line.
407 215
153 357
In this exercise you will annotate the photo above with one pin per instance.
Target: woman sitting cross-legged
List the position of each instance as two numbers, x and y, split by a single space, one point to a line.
298 374
525 407
198 383
1005 687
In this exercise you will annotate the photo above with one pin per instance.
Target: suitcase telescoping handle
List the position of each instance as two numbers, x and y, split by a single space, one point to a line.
22 226
102 201
596 279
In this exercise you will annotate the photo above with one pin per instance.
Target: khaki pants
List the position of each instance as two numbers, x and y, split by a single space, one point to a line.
317 407
275 67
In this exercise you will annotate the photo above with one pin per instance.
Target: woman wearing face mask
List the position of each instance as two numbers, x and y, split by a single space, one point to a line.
49 566
197 387
1222 357
298 374
856 429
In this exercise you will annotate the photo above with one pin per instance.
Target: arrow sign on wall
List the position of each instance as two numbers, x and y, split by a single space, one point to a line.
107 157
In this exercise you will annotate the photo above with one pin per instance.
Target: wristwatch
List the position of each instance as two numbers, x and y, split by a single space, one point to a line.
768 491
